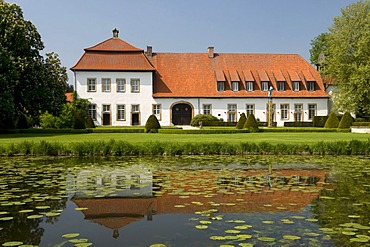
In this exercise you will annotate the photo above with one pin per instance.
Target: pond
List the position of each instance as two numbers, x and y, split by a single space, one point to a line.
185 201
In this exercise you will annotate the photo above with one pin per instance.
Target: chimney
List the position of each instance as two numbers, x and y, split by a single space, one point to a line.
115 33
149 50
211 52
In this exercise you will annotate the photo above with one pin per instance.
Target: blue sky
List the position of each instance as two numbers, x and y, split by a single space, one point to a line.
231 26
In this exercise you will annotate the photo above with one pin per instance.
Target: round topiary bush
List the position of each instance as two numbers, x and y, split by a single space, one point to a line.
152 124
251 123
332 121
346 121
206 119
241 121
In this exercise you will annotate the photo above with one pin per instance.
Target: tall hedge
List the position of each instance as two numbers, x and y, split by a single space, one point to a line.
251 123
241 121
346 121
152 124
332 121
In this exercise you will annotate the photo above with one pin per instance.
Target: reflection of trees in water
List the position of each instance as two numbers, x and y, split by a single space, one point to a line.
34 184
348 194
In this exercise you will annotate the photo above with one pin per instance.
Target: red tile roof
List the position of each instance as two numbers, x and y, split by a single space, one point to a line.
234 75
278 75
293 75
113 55
195 74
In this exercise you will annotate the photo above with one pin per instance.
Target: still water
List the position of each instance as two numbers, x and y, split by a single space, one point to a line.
185 201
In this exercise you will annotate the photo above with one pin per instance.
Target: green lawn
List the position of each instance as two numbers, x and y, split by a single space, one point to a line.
273 138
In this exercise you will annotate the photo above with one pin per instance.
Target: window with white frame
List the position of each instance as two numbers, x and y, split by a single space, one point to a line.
106 108
91 85
311 86
105 82
121 114
220 86
121 85
284 111
298 112
157 111
231 112
249 109
312 108
235 86
281 86
249 86
135 85
207 109
264 86
296 86
92 111
135 108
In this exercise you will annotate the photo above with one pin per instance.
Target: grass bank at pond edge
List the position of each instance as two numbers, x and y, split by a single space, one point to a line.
123 148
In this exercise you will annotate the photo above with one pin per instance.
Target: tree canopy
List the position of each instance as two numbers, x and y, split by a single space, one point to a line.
347 57
29 83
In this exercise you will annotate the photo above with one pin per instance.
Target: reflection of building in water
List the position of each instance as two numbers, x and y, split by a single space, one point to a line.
116 182
239 191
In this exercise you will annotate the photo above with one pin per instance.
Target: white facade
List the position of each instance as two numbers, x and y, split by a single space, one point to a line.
139 104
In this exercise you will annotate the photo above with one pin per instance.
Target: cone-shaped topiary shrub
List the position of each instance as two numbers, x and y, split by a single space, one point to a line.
90 122
152 125
251 123
79 122
332 121
346 121
22 122
241 121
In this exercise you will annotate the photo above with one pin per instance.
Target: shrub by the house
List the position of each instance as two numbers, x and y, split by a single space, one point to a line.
251 123
206 120
332 121
241 121
79 122
346 121
90 123
152 124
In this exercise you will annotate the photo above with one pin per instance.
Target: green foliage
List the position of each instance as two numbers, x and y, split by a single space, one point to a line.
66 118
29 84
79 120
152 125
319 46
298 124
47 120
332 121
90 123
319 121
346 121
348 58
206 119
251 123
22 122
241 121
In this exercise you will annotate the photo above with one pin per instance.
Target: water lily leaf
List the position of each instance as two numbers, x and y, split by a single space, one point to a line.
232 231
1 213
226 245
205 222
243 227
12 243
348 233
354 216
78 240
201 227
35 216
157 245
291 237
245 245
43 207
244 236
6 218
269 222
266 239
70 235
217 238
312 220
83 244
52 214
26 211
359 240
81 209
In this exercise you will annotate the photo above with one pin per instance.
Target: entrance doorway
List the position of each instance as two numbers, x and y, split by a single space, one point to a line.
106 115
181 114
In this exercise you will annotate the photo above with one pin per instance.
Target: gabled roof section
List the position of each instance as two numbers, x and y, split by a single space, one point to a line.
278 75
263 75
307 75
293 75
220 76
248 75
113 44
113 54
234 75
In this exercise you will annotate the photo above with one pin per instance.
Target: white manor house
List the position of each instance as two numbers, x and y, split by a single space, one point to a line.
125 85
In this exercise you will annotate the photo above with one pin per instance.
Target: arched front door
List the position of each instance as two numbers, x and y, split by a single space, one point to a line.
181 114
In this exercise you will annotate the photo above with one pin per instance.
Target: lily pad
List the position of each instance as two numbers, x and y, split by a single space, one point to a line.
70 235
12 243
266 239
81 209
35 216
157 245
201 227
291 237
6 218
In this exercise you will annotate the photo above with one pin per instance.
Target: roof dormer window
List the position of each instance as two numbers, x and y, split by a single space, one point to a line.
220 86
281 86
311 86
249 86
221 80
235 86
265 86
296 86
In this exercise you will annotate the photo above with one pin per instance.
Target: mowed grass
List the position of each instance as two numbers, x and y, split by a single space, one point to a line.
273 138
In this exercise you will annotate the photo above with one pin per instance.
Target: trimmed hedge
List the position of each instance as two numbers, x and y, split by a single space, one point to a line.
367 124
241 121
152 124
346 121
332 121
251 123
202 131
298 124
122 148
319 121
